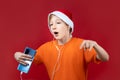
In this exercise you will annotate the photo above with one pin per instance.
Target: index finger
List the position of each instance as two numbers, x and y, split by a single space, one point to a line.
82 45
26 56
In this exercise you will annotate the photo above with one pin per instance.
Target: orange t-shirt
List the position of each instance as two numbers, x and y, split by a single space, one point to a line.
69 62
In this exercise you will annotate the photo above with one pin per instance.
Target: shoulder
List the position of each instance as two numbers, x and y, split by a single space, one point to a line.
45 45
77 40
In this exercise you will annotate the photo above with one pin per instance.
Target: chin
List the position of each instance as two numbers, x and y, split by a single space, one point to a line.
57 38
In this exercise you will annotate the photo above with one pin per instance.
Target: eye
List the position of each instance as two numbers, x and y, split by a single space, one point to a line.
59 22
50 24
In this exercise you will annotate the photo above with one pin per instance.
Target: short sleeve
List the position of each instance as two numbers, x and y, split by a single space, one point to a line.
91 56
38 56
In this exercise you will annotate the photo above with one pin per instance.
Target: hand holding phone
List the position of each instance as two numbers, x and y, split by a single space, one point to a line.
25 68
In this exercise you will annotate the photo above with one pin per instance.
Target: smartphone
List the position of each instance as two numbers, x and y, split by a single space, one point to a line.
25 68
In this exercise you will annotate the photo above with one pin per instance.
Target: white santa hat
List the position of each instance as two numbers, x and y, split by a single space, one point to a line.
64 15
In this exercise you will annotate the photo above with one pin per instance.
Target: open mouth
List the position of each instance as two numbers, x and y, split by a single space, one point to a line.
55 32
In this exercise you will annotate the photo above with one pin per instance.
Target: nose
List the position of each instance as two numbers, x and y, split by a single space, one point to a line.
53 27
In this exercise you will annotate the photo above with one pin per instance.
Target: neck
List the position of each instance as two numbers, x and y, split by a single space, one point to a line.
64 40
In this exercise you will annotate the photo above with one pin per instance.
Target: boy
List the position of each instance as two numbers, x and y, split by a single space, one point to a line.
65 57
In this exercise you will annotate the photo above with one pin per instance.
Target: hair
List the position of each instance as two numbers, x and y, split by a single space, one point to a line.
70 30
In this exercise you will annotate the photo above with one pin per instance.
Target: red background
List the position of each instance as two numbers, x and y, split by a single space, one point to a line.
24 23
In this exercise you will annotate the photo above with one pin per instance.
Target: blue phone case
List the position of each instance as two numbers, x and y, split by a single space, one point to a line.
25 68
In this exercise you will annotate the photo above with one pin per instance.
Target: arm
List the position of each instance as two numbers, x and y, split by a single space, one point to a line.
101 53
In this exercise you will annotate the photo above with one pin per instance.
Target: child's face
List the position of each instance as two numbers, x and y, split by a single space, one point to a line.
59 28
